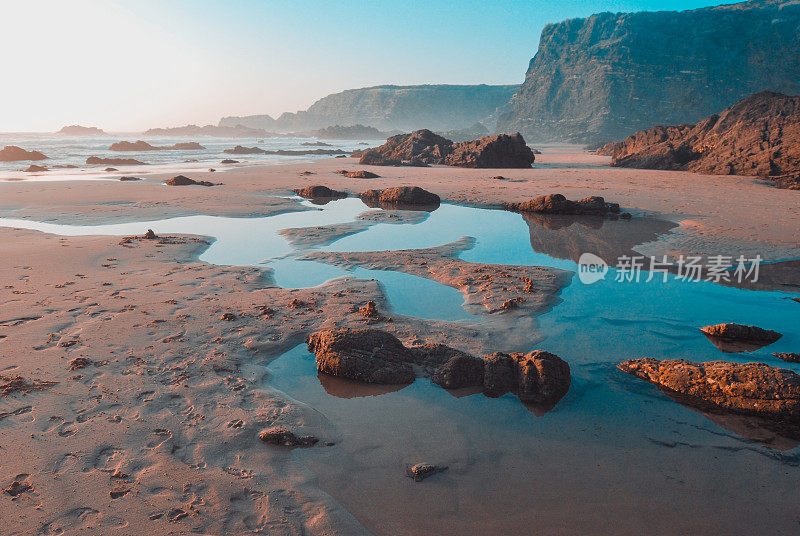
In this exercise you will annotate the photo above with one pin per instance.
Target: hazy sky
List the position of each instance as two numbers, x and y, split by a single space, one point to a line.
135 64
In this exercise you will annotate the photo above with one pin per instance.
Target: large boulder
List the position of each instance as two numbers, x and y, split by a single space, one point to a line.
750 388
408 196
367 355
182 180
537 377
132 146
740 332
500 151
319 191
12 153
558 204
245 150
420 148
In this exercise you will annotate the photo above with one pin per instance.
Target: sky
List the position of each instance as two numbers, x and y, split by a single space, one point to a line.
129 65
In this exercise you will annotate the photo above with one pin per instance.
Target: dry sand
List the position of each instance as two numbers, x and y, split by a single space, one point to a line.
158 432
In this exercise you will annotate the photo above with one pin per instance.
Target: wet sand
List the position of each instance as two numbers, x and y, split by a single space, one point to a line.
159 432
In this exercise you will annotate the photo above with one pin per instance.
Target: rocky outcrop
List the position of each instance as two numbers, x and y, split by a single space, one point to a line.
500 151
757 136
558 204
78 130
182 180
537 377
95 160
403 196
789 357
375 356
12 153
602 78
245 150
33 168
751 388
140 145
282 436
318 191
424 148
235 131
353 132
403 108
739 332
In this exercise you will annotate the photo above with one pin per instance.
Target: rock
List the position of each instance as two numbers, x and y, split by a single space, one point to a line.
12 153
512 303
80 362
458 371
537 377
95 160
132 146
420 148
33 168
318 191
109 169
473 132
78 130
400 196
366 355
188 146
558 204
739 332
790 357
587 81
229 161
353 132
421 471
181 180
370 310
361 174
149 235
245 150
129 179
18 384
751 388
279 435
228 316
499 151
757 136
315 143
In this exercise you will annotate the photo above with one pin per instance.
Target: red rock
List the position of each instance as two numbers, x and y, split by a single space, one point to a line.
739 332
751 388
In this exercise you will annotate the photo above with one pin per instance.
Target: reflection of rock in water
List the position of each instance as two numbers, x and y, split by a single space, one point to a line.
735 347
567 237
773 434
344 388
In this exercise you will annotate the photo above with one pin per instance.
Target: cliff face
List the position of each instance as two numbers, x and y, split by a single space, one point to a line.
404 108
759 136
603 78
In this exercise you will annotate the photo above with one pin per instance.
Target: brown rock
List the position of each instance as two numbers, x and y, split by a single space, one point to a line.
420 148
361 174
499 151
132 146
558 204
149 235
279 435
459 370
366 355
421 471
12 153
400 196
537 377
318 191
245 150
129 179
370 310
33 168
228 316
739 332
95 160
789 357
751 388
80 362
181 180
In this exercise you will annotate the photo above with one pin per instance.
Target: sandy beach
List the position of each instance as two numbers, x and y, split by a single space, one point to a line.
143 382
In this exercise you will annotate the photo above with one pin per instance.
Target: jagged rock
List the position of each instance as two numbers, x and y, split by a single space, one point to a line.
366 355
751 388
94 160
12 153
400 196
459 370
245 150
739 332
758 136
318 191
537 377
500 151
33 168
80 362
558 204
78 130
789 357
279 435
228 316
420 148
421 471
228 161
370 311
604 77
149 235
182 180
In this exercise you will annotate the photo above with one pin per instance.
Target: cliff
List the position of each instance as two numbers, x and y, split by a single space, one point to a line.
404 108
605 77
759 136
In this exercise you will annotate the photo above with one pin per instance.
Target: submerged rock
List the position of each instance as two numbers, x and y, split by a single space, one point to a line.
279 435
12 153
318 191
421 471
182 180
537 377
400 196
751 388
558 204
